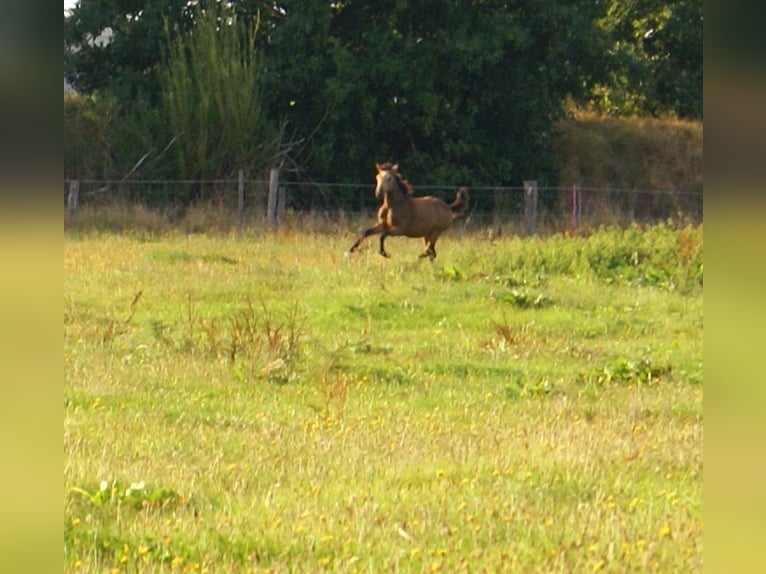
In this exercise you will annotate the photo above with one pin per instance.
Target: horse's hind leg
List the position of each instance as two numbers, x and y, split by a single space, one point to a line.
430 251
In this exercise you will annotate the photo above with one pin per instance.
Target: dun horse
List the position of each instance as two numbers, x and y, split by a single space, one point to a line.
401 214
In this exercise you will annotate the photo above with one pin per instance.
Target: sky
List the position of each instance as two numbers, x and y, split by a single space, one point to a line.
69 4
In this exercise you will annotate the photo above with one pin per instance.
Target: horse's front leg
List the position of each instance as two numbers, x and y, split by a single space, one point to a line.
383 236
365 234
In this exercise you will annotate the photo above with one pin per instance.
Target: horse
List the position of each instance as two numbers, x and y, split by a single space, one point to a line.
400 214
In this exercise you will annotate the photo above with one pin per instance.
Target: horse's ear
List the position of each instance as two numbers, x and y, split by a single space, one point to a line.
395 167
378 167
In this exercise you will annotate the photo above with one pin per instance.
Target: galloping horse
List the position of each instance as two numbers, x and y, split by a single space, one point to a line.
400 214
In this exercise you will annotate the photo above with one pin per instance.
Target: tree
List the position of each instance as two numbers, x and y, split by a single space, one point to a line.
462 91
455 91
676 55
118 45
115 45
655 63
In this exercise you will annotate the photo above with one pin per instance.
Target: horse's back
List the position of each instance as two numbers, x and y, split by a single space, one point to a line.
430 215
433 207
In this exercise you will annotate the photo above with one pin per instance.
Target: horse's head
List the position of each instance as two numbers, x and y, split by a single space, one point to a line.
389 179
385 179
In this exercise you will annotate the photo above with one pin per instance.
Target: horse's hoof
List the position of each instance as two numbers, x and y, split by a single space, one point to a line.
386 255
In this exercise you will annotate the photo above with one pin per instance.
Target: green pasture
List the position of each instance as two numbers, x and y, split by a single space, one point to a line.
261 402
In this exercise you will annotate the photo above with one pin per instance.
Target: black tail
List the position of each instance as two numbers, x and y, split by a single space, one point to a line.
461 201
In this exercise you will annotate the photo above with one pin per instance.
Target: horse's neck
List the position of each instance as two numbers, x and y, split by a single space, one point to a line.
396 199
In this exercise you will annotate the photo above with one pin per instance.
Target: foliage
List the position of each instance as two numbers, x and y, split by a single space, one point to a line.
211 99
194 114
459 92
110 139
88 124
450 80
438 86
116 47
427 422
656 59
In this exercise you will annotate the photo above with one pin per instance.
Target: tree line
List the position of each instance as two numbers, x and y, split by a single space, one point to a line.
456 91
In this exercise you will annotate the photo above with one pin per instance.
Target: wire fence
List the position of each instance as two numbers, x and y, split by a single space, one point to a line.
250 202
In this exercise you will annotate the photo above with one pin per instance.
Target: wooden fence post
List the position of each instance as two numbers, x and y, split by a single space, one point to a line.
241 198
530 206
575 221
271 208
73 197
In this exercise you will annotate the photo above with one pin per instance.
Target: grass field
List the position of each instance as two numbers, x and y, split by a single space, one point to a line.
262 402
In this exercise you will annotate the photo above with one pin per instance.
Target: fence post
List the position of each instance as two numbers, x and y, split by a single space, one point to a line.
241 198
575 221
271 208
73 197
530 206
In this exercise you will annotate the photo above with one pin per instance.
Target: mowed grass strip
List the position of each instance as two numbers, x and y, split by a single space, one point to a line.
265 403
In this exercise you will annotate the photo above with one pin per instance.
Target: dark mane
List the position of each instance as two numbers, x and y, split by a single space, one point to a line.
403 183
